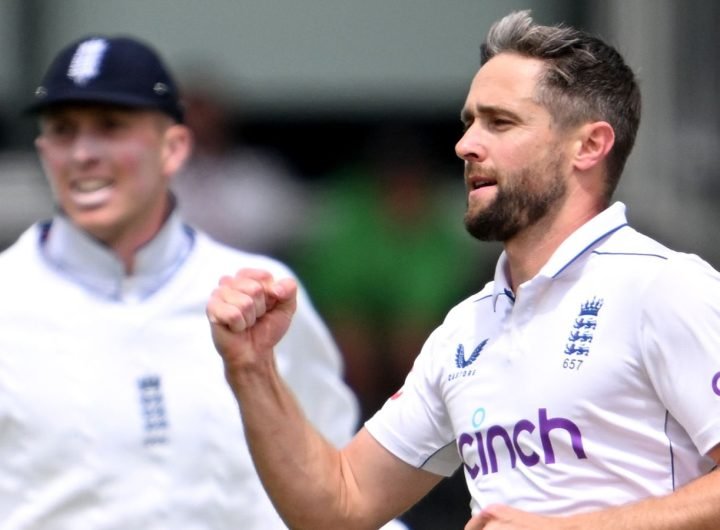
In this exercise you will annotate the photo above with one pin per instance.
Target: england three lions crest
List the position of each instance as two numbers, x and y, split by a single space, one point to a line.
581 334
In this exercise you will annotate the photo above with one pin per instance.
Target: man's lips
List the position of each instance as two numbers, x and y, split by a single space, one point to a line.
475 182
90 185
91 192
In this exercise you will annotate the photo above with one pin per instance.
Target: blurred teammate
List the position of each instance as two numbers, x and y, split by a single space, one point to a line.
579 389
224 169
113 409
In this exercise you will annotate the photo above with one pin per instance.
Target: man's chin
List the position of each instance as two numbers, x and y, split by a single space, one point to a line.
488 228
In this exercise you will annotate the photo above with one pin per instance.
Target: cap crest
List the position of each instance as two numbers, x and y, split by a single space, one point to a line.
85 63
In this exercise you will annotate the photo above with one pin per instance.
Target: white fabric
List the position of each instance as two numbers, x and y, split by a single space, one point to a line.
594 385
114 410
395 524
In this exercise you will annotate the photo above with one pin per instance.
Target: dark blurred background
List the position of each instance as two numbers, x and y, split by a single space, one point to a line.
325 136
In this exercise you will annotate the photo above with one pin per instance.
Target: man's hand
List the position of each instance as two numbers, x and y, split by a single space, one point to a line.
249 313
501 517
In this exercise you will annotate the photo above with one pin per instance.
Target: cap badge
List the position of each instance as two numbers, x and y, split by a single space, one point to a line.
85 64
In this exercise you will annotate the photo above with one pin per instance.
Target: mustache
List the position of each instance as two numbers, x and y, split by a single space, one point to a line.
477 170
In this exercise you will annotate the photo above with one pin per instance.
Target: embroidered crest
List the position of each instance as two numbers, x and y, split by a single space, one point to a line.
461 361
85 64
153 410
583 328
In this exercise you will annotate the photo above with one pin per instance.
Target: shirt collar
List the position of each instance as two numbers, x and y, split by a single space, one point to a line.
91 264
575 246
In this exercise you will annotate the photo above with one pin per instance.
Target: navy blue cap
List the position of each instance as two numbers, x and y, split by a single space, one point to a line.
114 70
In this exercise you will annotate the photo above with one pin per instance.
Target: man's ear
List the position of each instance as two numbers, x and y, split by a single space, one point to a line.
177 148
594 143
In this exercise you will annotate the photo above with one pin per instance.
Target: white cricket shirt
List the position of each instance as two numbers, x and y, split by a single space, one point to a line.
114 409
596 384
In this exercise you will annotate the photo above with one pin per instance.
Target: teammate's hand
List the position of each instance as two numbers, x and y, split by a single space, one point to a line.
249 313
501 517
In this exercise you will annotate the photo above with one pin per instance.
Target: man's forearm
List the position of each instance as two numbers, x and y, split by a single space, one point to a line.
300 470
312 484
249 314
696 506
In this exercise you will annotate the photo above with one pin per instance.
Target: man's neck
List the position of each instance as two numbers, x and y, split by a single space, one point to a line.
529 250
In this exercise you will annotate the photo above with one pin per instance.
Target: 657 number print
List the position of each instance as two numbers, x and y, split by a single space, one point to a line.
572 364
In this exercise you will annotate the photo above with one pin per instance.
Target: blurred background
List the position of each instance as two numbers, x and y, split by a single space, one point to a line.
325 136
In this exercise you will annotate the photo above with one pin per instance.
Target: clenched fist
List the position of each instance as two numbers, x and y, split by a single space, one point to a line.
249 313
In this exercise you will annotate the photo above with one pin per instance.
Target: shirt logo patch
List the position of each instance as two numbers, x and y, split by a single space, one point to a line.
461 361
85 64
499 448
581 334
152 405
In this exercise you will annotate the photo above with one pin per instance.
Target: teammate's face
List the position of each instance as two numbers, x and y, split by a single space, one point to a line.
515 165
110 168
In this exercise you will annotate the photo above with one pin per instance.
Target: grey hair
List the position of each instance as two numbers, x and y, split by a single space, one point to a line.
586 80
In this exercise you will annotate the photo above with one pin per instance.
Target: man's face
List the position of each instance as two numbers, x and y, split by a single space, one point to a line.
515 161
108 168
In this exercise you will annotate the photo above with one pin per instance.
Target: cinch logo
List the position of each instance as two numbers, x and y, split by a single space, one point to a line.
716 383
482 444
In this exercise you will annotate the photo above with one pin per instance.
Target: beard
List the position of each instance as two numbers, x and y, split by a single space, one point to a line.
526 196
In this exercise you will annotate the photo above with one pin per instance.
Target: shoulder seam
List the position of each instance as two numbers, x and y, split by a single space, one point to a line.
641 254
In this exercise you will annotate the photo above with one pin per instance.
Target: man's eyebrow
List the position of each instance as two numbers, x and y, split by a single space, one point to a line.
467 115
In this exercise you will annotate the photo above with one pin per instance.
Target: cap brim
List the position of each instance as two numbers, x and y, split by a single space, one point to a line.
108 98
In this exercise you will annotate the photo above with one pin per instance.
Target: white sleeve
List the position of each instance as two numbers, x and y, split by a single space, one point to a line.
414 424
311 364
681 345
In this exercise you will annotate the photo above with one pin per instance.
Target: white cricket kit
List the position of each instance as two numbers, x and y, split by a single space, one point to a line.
596 384
114 409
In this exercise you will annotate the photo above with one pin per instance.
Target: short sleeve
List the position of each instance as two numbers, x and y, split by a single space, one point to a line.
414 424
681 345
